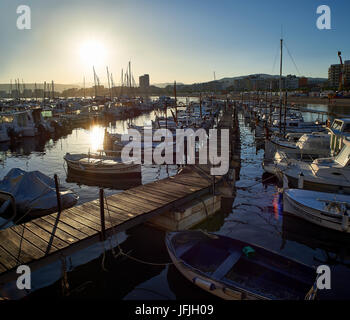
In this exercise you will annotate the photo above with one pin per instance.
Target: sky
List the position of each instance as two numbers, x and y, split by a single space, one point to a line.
182 40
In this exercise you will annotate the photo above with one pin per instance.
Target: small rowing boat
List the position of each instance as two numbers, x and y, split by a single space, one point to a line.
235 270
97 165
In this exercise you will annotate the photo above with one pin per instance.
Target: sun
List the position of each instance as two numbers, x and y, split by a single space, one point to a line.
93 53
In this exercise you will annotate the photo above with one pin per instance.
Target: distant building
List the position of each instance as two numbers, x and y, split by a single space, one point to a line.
303 82
334 72
144 81
334 75
291 82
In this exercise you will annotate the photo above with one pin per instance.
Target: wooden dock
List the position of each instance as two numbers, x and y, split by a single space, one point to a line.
49 238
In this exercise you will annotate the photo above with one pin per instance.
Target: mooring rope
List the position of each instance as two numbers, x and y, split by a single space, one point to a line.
122 253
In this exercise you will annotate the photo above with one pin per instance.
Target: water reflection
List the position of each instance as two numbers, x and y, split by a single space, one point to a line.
96 135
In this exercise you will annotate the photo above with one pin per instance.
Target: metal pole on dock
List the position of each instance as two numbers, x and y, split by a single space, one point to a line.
280 85
102 214
58 195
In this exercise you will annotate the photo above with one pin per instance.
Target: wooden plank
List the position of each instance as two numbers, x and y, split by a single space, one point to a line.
83 218
132 201
162 194
137 197
14 249
58 232
171 191
2 267
126 207
191 181
24 244
148 192
46 236
114 213
182 187
87 231
147 197
65 227
7 260
33 238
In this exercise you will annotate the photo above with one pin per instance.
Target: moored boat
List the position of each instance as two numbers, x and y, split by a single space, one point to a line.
34 193
235 270
97 165
329 210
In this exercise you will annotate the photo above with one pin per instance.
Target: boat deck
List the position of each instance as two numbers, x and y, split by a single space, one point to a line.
46 239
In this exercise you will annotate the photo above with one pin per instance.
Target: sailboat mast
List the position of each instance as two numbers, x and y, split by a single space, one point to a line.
280 84
84 87
95 82
109 84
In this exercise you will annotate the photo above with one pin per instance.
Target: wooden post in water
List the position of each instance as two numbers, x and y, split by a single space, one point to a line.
102 215
58 195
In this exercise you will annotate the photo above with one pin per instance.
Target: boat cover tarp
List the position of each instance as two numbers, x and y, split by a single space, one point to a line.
35 191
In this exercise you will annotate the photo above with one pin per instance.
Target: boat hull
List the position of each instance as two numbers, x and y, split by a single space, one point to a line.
312 185
222 266
127 172
292 206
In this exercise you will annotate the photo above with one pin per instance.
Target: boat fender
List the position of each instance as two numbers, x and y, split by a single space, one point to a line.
345 221
204 284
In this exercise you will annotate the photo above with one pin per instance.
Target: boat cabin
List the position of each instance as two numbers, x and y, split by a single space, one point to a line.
339 130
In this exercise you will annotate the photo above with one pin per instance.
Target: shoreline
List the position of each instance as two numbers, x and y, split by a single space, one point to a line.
304 100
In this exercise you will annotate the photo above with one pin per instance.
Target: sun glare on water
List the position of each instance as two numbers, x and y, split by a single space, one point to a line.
96 138
93 53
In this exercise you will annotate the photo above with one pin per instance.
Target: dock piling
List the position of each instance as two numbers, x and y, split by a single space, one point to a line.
58 195
102 216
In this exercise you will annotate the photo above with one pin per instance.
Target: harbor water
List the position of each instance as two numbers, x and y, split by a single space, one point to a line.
256 217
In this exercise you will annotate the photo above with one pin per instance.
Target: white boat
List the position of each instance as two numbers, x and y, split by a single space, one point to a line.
307 148
329 210
99 165
26 123
323 174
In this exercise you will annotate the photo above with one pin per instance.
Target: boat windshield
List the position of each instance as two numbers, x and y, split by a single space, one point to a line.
337 124
343 157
